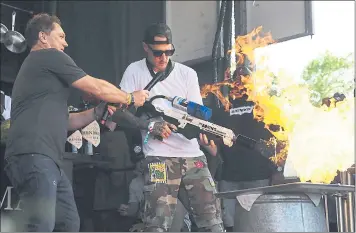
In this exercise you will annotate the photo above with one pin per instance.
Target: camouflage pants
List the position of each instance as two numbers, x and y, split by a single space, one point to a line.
163 177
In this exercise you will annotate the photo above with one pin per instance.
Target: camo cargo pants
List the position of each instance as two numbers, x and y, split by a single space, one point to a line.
163 176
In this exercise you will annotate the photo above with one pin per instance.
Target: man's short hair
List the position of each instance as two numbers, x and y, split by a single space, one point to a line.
42 22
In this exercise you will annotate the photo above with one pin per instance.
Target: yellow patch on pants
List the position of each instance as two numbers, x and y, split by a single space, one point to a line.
157 172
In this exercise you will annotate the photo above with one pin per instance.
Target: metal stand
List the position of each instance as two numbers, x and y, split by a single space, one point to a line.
345 206
348 204
326 212
339 213
351 206
17 8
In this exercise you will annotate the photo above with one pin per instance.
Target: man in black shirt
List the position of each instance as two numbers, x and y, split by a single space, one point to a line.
39 125
242 167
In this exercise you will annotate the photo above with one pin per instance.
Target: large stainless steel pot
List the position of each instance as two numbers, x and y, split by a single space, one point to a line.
296 207
281 213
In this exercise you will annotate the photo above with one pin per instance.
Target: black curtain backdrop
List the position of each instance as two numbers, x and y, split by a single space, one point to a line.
105 37
11 62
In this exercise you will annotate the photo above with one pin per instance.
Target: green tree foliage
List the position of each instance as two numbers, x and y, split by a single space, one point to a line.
328 74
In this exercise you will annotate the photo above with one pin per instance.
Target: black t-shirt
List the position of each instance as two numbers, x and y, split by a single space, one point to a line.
39 112
240 162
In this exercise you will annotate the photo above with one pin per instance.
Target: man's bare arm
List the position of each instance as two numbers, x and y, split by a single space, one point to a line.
107 92
79 120
101 89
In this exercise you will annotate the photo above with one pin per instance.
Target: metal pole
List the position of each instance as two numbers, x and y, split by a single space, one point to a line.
339 213
348 203
325 196
351 205
343 179
346 219
233 52
16 8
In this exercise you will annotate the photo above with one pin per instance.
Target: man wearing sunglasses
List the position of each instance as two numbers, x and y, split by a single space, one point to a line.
175 162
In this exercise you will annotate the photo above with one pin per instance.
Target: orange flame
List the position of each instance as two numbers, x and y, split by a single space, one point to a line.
245 45
298 127
245 85
215 89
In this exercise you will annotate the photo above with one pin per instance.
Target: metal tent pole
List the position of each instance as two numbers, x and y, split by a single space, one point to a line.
16 8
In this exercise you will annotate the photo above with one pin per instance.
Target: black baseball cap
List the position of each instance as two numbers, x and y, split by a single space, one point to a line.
157 29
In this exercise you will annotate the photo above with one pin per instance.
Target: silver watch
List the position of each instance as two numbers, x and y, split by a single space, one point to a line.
132 98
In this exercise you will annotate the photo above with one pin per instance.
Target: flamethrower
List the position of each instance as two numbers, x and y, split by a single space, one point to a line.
192 118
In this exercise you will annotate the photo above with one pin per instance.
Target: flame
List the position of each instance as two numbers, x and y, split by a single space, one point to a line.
318 141
215 89
322 142
245 45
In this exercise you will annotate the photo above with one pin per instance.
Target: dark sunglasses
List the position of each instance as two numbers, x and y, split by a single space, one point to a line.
159 53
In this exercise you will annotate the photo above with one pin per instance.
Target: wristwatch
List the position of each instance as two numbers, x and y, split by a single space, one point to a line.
132 98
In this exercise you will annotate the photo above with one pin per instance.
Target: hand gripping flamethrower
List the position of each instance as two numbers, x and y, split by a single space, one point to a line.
192 118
